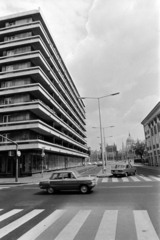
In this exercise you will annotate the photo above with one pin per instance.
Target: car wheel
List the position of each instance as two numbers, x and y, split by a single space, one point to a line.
83 189
50 190
126 174
114 175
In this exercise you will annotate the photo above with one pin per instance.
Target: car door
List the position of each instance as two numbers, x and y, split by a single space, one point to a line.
56 181
70 181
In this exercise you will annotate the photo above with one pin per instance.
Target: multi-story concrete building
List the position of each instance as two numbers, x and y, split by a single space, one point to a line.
39 105
151 125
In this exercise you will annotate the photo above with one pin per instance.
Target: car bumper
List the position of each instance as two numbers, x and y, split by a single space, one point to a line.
118 173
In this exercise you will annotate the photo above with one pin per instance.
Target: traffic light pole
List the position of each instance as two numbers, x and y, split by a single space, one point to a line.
16 179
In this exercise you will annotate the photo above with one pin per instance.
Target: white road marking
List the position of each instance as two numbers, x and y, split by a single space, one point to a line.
145 178
72 228
156 178
144 227
9 214
125 179
105 180
135 179
12 226
42 226
114 179
107 228
131 186
3 187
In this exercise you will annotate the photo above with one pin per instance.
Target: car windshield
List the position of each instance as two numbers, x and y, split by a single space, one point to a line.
120 166
77 174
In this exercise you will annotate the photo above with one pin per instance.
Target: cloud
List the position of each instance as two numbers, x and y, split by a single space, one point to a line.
140 109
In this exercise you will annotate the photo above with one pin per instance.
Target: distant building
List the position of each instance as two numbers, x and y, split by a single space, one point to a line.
126 152
111 152
151 125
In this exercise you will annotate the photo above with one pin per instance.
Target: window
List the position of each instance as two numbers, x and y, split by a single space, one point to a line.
8 84
54 176
7 101
6 118
23 21
155 130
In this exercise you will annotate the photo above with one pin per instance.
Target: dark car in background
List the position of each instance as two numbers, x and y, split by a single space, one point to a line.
68 180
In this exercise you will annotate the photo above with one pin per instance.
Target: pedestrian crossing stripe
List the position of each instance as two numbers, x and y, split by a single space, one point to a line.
144 227
146 178
136 178
156 178
109 229
12 226
10 213
106 229
42 226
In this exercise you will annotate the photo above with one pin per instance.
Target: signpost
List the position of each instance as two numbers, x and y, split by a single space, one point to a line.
18 154
42 155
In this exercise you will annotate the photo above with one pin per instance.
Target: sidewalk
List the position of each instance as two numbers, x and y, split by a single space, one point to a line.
35 178
146 166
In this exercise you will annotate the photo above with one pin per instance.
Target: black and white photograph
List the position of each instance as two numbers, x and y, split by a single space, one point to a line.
80 120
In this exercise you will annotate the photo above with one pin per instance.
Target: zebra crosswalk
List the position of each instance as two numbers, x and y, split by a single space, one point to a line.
107 224
137 178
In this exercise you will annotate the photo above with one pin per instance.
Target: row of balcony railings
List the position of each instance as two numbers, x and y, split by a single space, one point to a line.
9 68
63 68
20 120
36 143
56 104
53 113
80 127
65 139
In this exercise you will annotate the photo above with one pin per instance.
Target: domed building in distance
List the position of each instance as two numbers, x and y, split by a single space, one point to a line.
127 151
129 142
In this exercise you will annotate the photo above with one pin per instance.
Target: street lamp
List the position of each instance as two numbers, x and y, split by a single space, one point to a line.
18 154
104 140
98 98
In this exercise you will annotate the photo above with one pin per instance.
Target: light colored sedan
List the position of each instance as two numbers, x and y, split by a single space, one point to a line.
123 169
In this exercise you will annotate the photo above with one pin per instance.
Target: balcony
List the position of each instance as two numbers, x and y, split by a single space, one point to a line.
37 59
38 92
40 109
42 129
37 29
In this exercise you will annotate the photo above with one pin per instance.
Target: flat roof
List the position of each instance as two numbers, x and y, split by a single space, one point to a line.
151 113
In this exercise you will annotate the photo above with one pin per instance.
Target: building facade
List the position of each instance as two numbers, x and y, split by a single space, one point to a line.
127 152
111 151
39 105
151 125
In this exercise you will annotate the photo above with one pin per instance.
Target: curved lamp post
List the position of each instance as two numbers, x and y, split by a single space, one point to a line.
98 98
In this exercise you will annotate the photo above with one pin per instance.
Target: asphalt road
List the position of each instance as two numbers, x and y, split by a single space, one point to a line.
114 210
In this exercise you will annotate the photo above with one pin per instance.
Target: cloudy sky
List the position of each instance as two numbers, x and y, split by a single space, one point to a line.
108 46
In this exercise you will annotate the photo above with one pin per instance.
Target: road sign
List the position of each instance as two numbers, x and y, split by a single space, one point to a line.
18 153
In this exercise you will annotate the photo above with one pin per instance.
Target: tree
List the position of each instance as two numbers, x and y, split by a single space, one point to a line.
139 148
